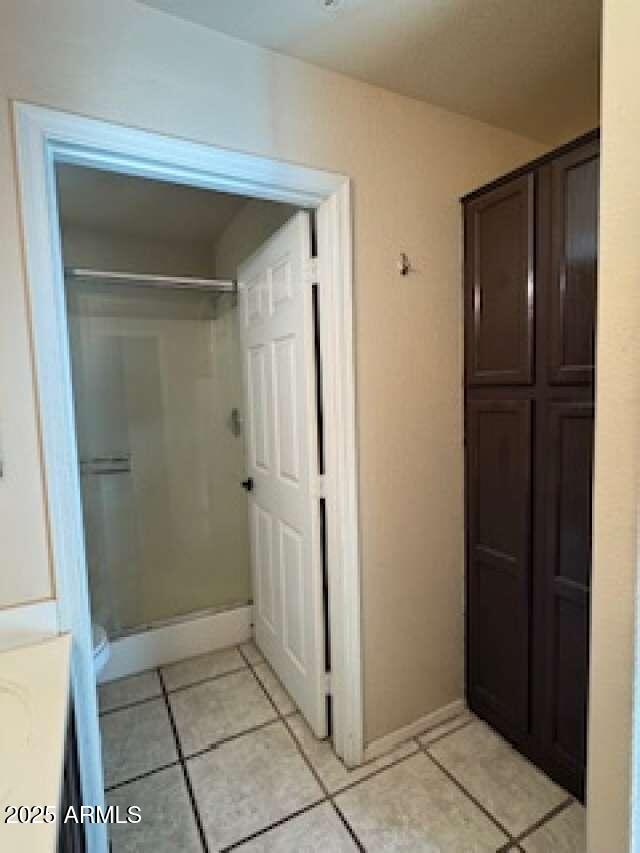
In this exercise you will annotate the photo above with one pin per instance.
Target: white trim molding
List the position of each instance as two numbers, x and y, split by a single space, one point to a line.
180 640
340 482
45 137
419 727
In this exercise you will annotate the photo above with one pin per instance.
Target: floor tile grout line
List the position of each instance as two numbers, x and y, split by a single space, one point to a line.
274 825
494 820
561 807
181 687
375 772
140 776
185 772
225 740
347 826
508 847
323 787
513 839
372 761
328 797
169 690
444 734
282 720
128 705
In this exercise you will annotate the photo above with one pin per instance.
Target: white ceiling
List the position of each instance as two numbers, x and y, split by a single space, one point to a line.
528 65
136 207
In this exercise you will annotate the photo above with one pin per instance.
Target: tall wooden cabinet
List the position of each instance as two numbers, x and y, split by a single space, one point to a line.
530 304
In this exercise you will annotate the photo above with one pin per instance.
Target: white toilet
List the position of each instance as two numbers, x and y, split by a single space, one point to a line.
101 649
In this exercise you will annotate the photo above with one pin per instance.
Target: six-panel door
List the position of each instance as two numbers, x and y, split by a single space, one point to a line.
284 524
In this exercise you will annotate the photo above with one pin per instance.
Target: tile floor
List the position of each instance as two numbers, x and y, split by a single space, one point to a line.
214 752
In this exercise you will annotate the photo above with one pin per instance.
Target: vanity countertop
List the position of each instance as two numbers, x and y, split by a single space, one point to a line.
34 696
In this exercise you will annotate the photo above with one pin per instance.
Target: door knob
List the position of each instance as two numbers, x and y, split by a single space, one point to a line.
248 484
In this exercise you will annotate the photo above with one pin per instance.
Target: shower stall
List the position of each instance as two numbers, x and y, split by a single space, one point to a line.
157 381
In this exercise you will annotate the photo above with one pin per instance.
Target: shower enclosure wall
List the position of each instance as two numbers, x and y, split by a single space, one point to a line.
158 397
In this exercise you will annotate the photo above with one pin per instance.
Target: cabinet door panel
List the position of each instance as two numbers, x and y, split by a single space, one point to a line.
499 508
568 566
499 285
574 266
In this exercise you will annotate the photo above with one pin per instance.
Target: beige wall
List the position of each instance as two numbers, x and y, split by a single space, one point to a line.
85 247
409 163
617 439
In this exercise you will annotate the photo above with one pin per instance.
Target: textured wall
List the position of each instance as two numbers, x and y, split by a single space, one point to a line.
85 247
617 443
248 229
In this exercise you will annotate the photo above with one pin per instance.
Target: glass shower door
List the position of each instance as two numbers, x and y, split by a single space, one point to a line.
158 388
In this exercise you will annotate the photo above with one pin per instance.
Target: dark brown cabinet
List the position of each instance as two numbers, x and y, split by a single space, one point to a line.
574 235
499 512
499 300
530 307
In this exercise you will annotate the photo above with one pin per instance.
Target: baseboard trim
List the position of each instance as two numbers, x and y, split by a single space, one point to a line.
386 743
170 643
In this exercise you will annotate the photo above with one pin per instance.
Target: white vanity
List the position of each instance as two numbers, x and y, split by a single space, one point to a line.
34 702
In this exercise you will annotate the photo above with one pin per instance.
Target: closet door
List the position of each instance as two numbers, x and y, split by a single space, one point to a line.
574 255
499 285
530 311
569 455
499 511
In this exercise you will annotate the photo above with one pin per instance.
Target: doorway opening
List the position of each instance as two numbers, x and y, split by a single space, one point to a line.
126 353
157 373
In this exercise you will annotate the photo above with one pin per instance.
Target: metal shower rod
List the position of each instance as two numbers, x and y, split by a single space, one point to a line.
150 280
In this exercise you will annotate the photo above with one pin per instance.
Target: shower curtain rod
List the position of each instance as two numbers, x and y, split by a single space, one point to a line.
149 280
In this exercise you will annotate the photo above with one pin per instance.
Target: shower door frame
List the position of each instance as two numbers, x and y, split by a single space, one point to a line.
45 137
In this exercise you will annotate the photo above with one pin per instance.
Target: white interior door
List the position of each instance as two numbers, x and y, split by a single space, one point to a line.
278 350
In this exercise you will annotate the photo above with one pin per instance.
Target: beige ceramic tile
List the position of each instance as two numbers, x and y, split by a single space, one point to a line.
214 710
318 830
274 688
252 653
334 774
125 691
136 740
415 807
446 728
505 783
199 668
564 833
168 822
249 783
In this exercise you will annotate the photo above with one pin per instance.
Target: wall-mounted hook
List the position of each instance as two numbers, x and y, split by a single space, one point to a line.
403 264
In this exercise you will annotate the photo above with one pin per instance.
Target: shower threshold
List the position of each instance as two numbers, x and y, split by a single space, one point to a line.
161 643
178 620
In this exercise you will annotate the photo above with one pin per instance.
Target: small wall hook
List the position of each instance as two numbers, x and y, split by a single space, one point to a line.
403 264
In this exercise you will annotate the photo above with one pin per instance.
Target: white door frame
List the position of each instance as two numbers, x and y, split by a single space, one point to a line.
45 137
